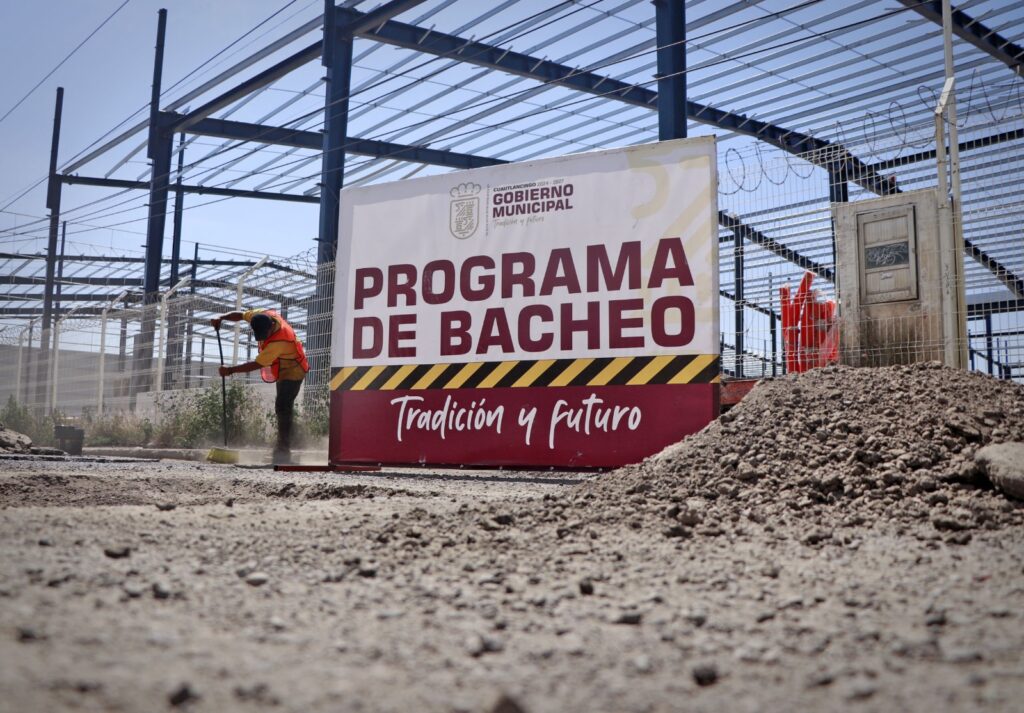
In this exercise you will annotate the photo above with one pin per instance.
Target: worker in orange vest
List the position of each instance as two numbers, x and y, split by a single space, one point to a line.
281 359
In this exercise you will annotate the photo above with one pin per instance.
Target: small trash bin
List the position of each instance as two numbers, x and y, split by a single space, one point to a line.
69 439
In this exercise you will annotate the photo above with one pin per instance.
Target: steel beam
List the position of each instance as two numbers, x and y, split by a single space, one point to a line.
753 235
1002 273
207 262
243 131
970 30
306 54
73 297
976 311
820 151
418 154
965 146
186 188
670 26
314 140
25 280
37 312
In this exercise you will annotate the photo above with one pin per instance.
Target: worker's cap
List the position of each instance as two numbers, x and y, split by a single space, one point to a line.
261 326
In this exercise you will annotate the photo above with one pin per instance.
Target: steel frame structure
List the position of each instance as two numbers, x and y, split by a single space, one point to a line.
343 24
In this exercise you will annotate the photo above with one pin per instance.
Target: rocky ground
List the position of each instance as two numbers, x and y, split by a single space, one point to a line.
814 550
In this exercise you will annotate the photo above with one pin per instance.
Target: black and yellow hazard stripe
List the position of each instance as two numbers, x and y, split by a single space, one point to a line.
600 371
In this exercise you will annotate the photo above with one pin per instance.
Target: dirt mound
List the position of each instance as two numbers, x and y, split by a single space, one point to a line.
13 442
834 446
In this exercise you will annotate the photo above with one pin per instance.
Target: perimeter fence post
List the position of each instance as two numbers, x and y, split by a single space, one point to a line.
163 333
103 350
239 289
21 362
738 316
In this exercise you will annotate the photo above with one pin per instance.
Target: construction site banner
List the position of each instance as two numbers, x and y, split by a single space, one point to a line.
561 312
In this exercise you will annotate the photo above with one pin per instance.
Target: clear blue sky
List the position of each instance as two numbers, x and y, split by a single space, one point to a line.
107 80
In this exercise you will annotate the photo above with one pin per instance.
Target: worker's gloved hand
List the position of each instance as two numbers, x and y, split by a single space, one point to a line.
224 371
215 323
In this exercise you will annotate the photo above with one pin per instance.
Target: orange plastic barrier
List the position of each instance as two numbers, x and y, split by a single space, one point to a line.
810 331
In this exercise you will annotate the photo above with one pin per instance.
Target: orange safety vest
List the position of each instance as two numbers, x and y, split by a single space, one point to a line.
284 333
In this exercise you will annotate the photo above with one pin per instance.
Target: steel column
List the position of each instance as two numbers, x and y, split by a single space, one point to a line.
53 204
670 22
160 149
337 58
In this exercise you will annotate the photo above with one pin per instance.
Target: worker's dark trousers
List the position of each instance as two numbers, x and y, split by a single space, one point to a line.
284 407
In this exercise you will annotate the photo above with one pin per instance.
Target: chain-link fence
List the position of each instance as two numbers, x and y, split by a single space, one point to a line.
778 233
787 238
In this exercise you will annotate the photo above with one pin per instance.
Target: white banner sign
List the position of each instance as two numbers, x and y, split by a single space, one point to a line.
610 253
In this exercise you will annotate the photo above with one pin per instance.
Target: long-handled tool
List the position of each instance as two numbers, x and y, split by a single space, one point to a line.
222 455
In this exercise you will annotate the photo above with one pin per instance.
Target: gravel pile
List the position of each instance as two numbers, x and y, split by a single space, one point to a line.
833 447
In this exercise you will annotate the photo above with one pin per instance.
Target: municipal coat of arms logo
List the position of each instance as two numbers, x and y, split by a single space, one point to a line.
465 210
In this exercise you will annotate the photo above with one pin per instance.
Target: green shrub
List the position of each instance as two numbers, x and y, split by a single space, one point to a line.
117 429
191 420
187 419
21 419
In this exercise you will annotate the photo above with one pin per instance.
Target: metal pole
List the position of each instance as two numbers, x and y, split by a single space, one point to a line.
738 304
949 254
989 355
670 28
954 171
103 358
190 332
772 327
31 362
21 362
122 356
54 366
838 192
954 147
238 303
53 204
103 349
60 266
174 357
179 199
162 334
